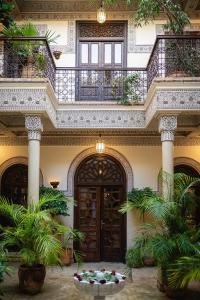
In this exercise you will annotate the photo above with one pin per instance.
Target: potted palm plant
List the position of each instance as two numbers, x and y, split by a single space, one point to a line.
72 235
28 53
35 233
171 235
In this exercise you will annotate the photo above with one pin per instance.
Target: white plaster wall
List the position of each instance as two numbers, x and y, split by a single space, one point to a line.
145 162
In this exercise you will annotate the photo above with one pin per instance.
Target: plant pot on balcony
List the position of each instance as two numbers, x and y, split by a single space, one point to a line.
66 256
180 74
29 69
31 278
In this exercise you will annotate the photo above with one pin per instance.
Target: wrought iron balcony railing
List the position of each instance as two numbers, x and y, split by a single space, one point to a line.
32 58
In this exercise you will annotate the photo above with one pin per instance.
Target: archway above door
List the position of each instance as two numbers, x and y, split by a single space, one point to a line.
191 163
90 151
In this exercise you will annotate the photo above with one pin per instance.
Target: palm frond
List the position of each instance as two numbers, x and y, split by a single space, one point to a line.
186 269
14 212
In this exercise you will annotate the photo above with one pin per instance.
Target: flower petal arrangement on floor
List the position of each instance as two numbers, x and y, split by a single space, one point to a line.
99 283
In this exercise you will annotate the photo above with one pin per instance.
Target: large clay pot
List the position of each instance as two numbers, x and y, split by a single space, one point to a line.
149 261
66 256
31 278
175 293
162 285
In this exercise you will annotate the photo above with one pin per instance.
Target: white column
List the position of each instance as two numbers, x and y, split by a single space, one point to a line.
167 126
34 127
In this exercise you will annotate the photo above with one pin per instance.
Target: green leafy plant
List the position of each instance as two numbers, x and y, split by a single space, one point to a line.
185 269
134 257
138 199
70 237
4 269
129 87
28 51
6 9
171 235
34 232
149 10
58 202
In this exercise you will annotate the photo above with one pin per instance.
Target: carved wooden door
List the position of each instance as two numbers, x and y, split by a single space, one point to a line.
89 221
112 229
100 190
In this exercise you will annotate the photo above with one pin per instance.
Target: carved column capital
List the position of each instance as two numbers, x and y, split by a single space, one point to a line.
167 127
33 124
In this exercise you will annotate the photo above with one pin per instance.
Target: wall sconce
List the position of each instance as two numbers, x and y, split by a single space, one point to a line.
54 184
100 145
57 54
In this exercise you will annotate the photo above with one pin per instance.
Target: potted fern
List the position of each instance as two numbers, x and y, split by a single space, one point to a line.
35 233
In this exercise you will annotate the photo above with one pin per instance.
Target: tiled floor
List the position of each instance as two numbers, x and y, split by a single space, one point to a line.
59 285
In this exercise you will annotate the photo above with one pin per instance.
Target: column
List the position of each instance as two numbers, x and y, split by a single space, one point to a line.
167 127
34 127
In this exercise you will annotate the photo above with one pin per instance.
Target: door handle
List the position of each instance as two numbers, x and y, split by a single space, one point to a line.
102 223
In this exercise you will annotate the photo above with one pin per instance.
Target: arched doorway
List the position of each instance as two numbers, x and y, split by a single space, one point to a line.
192 172
14 183
100 189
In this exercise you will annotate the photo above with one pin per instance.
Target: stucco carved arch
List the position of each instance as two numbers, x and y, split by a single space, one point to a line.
187 161
90 151
13 161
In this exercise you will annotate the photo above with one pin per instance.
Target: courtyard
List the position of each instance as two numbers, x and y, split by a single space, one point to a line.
59 285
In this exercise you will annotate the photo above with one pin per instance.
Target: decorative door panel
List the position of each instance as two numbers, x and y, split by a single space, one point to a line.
111 224
89 221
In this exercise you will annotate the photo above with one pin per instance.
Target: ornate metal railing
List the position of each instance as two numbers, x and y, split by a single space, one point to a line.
32 58
26 58
174 56
101 84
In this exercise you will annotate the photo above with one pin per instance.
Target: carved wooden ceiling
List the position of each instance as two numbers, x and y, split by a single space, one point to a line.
67 6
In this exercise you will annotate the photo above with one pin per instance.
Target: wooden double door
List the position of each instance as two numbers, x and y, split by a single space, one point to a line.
100 191
101 62
101 222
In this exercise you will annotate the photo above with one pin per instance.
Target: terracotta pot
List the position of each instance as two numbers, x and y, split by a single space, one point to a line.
174 293
180 74
162 285
149 261
66 256
31 278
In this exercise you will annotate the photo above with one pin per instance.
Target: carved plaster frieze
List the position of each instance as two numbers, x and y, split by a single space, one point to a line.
100 119
109 141
25 99
183 99
173 100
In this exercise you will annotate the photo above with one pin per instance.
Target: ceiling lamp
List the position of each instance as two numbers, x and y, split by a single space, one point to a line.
100 146
101 14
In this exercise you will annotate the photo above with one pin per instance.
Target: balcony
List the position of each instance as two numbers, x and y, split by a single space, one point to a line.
31 58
